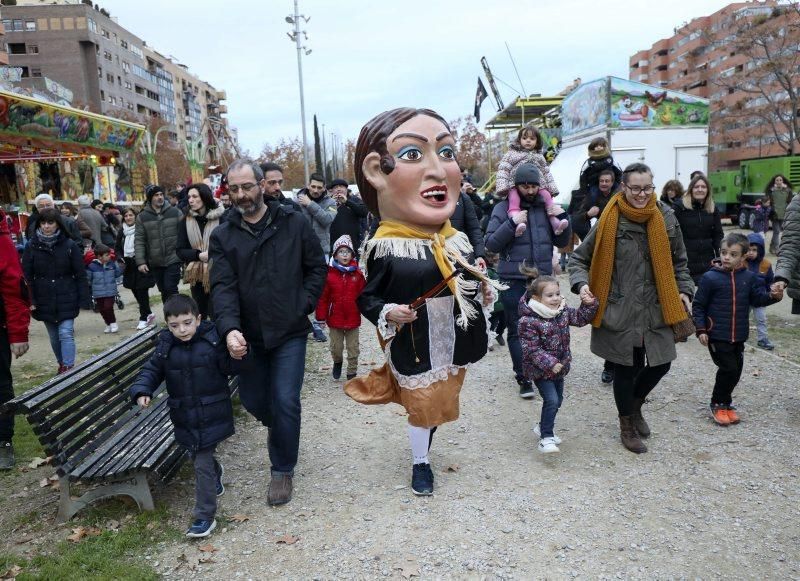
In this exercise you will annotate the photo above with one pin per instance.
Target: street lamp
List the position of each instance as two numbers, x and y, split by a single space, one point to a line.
295 37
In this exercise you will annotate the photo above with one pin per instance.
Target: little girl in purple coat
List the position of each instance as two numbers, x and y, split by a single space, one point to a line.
544 334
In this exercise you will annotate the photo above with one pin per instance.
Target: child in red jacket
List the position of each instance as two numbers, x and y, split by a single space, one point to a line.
337 305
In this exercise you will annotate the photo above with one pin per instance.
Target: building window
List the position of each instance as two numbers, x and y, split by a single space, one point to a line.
18 25
16 48
100 72
92 25
110 78
102 95
30 25
126 67
25 72
33 49
124 44
128 85
36 72
106 34
107 55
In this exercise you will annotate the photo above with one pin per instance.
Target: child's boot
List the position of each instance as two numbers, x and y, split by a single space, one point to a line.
630 438
337 369
520 229
638 420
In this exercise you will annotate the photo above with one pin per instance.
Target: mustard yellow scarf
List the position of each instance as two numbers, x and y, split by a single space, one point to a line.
448 247
605 245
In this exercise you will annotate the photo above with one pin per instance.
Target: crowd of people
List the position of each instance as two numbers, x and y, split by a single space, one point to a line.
441 274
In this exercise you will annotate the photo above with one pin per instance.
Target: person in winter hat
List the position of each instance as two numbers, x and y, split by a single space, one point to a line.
337 306
528 176
526 148
762 268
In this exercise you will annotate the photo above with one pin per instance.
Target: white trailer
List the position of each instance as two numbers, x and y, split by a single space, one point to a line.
666 130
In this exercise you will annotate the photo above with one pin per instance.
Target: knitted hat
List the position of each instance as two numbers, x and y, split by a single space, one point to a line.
343 241
338 182
527 174
84 200
151 191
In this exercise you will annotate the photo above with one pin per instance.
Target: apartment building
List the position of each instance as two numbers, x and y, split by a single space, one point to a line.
701 58
108 68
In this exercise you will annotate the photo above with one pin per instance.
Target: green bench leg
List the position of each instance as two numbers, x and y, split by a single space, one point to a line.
135 486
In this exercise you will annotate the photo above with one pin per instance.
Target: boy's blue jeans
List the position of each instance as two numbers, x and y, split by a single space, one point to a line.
269 388
552 392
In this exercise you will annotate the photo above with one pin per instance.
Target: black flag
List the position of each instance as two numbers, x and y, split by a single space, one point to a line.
480 97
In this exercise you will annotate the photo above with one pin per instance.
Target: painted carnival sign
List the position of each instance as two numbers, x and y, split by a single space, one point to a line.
638 105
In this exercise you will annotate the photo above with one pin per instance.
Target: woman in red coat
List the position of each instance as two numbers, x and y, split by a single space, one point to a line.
337 307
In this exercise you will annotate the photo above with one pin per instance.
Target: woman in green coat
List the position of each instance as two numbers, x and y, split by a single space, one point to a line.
634 261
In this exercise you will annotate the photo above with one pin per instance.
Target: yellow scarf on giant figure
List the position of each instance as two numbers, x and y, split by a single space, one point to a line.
448 247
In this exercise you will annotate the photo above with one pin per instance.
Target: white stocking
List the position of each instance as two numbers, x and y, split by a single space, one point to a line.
420 440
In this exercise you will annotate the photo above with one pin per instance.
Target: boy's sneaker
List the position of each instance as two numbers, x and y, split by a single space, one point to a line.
114 328
151 318
548 446
720 414
337 370
220 472
733 417
141 326
422 480
6 456
107 329
201 528
525 388
766 344
537 429
351 376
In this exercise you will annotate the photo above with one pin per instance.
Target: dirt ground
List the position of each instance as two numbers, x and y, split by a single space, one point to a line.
705 501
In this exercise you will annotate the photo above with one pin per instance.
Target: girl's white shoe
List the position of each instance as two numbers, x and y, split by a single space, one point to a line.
538 431
548 446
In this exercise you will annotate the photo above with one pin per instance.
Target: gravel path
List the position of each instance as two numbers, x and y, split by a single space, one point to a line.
705 501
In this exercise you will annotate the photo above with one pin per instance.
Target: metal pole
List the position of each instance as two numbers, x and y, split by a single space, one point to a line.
300 79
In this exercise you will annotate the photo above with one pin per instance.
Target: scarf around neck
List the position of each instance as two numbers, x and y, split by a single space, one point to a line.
602 266
197 271
48 241
544 311
128 248
448 247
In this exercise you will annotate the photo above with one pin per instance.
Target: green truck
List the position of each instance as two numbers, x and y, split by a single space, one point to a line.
736 191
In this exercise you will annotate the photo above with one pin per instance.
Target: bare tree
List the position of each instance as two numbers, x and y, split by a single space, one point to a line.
768 80
471 144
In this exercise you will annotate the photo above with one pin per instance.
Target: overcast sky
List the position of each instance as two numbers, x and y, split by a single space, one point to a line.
372 56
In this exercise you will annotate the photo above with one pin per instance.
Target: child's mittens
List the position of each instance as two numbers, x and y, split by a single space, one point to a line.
520 229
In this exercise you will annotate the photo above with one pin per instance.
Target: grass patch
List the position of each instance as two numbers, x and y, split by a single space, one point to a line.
113 554
784 333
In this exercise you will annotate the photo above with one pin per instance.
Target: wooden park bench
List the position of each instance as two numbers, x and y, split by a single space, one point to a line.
86 421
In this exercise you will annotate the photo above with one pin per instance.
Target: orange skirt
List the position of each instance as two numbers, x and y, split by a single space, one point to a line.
427 407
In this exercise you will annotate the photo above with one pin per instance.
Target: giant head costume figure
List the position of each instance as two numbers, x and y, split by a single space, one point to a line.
406 168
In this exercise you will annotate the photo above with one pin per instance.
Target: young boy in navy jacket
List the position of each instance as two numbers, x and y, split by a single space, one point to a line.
195 364
721 311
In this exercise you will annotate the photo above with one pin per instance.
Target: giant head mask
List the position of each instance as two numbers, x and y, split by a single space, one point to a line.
406 168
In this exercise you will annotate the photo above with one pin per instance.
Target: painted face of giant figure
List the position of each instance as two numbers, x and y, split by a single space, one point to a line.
411 175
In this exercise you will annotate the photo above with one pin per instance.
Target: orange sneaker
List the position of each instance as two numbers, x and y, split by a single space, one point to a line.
733 417
720 414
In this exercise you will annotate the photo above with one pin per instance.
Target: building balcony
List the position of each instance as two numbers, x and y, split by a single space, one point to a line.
222 96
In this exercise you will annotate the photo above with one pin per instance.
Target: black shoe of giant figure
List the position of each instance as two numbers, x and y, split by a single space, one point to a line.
337 370
607 376
422 480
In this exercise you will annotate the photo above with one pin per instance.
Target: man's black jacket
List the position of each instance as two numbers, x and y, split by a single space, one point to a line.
266 286
466 220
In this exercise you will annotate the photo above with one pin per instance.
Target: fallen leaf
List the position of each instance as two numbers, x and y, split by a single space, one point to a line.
81 533
36 462
452 468
204 560
287 540
182 558
11 573
44 483
756 373
239 518
209 548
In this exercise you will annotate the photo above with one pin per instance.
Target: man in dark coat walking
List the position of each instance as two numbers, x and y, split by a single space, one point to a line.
465 219
156 240
267 276
350 210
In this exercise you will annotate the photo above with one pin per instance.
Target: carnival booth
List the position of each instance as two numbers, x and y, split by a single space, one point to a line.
45 147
